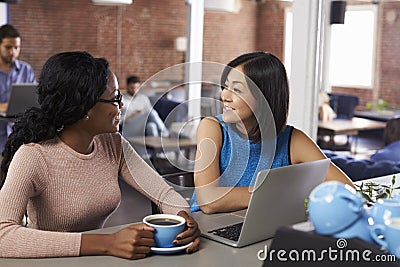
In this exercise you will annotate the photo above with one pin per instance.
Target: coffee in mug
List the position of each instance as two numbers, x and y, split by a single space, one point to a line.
163 221
167 227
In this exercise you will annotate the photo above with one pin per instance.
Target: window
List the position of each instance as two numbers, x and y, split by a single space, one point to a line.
352 48
3 13
288 39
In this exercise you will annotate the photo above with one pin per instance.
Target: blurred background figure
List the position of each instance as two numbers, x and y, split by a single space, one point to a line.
138 116
391 137
325 112
12 71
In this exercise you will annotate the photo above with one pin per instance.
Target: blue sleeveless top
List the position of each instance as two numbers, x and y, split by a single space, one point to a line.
240 163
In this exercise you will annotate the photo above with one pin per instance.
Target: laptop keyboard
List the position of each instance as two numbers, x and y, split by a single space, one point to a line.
231 232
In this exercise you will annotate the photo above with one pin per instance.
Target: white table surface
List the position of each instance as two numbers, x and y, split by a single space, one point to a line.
211 253
387 179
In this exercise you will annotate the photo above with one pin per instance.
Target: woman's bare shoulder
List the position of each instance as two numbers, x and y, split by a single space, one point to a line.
209 128
210 120
209 124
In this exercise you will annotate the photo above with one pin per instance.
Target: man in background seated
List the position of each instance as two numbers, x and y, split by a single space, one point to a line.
391 137
12 71
138 116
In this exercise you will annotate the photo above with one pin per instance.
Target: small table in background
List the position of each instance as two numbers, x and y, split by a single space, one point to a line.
383 115
347 127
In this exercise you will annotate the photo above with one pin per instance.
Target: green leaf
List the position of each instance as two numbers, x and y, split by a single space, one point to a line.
371 191
382 195
367 197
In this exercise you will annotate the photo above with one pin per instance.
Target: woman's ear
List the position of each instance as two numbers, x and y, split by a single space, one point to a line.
88 115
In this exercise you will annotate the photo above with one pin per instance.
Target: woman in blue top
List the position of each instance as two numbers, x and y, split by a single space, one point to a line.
250 135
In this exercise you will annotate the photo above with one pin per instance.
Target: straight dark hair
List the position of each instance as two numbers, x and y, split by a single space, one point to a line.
267 80
8 31
132 79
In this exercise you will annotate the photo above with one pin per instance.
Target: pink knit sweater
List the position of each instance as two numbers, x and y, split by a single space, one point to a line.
65 193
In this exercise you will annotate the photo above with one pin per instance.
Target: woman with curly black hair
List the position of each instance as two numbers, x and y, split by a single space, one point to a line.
61 166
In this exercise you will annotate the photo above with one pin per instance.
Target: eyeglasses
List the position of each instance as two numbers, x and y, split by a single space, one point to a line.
117 99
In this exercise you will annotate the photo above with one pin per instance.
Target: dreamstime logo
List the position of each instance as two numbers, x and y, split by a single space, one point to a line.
341 243
340 253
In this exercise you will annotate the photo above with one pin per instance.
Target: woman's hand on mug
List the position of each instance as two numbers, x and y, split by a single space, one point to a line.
192 233
132 242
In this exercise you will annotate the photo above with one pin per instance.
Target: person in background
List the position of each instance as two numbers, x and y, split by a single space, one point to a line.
62 163
12 70
139 103
391 137
139 117
325 112
235 145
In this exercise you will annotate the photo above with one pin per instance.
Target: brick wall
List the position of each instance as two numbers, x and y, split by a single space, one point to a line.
148 28
390 56
270 28
227 35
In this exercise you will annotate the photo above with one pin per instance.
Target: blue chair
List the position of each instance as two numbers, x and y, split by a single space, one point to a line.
171 111
344 105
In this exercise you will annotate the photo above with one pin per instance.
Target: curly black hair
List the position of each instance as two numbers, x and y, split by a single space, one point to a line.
70 83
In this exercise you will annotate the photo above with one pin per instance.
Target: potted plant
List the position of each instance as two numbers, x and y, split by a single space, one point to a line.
381 106
371 191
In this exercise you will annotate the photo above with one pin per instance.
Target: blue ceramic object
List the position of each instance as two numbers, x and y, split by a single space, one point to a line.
165 234
391 235
333 207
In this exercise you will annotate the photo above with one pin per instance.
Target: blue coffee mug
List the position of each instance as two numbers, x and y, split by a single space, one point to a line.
167 227
358 229
384 209
391 235
334 206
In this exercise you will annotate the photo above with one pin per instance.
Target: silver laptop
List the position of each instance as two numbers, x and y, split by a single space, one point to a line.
277 200
22 97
